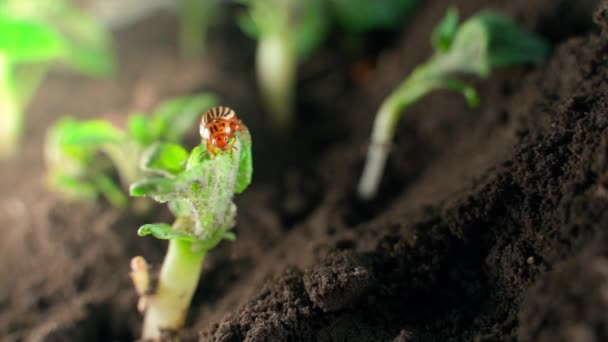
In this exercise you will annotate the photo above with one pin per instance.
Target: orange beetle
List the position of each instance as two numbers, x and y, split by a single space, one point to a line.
218 126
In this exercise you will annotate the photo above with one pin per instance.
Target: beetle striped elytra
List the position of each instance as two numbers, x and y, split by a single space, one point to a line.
218 126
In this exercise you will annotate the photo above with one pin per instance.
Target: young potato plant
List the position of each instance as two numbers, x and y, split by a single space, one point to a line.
198 188
287 31
33 34
485 41
195 18
290 30
82 156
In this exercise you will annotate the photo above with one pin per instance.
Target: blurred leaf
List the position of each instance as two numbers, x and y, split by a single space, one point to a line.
365 15
509 43
138 127
165 158
174 118
312 26
29 41
245 171
443 35
73 187
159 188
111 191
87 133
163 231
90 44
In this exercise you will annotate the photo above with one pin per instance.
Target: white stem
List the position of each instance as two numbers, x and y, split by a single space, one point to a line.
11 119
382 136
179 276
276 71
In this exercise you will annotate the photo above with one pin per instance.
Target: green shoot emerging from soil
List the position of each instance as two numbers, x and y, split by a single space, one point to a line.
198 189
485 41
33 34
287 31
81 156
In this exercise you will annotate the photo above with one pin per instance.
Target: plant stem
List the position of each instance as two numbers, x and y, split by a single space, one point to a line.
194 20
179 276
276 68
385 124
11 118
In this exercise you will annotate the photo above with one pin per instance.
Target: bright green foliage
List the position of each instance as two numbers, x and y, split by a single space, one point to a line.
365 15
198 187
82 155
485 41
34 34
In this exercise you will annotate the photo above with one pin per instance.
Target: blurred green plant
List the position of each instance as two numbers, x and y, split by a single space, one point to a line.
287 31
195 18
33 35
363 15
82 156
198 188
485 41
290 30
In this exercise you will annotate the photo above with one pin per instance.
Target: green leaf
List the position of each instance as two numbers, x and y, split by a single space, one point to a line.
365 15
138 127
469 93
311 28
443 35
87 133
510 44
161 189
176 117
468 52
73 187
111 191
163 231
165 158
29 41
90 44
230 236
245 171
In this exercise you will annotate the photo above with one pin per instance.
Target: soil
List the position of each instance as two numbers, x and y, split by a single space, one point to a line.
491 224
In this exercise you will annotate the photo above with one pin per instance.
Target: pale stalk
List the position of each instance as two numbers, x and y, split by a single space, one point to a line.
276 71
11 118
167 307
385 125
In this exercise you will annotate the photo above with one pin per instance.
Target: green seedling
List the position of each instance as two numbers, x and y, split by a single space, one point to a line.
290 30
287 31
195 18
198 189
33 35
485 41
82 156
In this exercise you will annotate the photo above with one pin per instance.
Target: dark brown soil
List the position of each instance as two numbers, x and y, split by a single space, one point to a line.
491 224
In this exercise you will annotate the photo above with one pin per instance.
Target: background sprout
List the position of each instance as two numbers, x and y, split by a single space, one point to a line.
199 191
32 35
195 18
484 41
81 156
287 31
